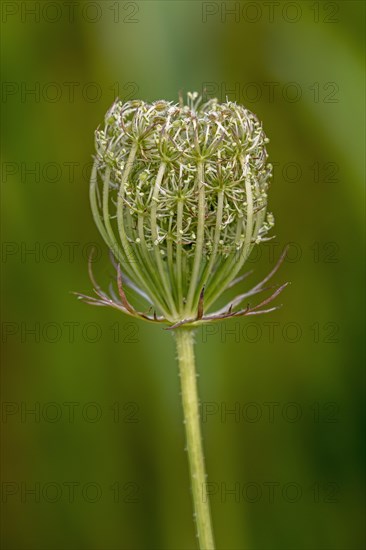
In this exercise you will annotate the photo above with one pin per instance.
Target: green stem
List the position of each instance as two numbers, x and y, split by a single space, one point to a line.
185 342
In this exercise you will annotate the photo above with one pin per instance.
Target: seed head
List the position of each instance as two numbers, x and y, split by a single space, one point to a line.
179 194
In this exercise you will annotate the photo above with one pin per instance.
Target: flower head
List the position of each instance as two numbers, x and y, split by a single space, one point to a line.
179 194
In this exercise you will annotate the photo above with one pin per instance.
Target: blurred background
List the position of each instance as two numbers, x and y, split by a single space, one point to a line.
91 417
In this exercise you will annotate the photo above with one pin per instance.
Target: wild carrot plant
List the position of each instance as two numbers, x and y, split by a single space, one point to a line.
179 194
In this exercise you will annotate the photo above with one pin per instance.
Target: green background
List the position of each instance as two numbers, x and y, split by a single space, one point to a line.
294 378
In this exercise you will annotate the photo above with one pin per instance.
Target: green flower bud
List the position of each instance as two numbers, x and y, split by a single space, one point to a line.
179 194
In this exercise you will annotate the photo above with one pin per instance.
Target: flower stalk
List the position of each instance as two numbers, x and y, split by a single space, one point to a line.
185 350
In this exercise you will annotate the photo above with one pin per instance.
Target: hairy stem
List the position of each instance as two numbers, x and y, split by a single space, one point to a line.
185 348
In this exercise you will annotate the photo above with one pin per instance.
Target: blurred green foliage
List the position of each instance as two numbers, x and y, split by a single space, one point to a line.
107 425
